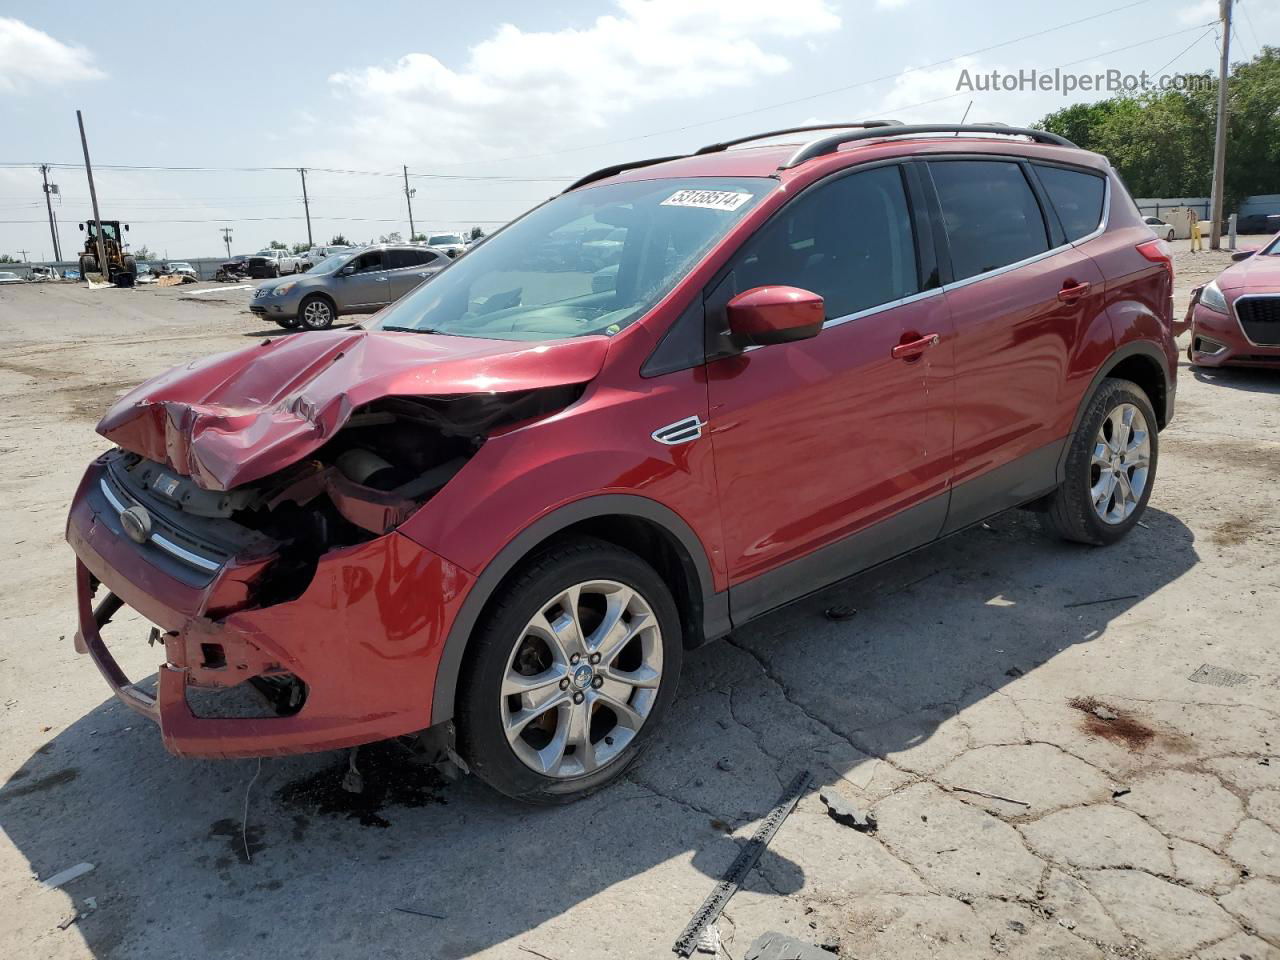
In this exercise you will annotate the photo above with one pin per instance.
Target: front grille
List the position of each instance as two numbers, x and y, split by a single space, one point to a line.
1260 319
260 293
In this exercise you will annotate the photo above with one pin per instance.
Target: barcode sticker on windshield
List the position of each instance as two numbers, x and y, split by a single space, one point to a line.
707 199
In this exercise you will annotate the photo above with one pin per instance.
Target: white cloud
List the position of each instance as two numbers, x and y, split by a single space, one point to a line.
518 87
891 4
29 57
1201 12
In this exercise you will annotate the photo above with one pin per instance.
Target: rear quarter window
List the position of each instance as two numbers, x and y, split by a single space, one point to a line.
1077 197
991 214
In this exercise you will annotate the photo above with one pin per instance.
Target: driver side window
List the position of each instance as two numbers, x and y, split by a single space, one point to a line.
369 262
850 241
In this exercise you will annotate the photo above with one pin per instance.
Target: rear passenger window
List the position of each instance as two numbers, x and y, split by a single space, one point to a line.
849 241
991 214
1077 197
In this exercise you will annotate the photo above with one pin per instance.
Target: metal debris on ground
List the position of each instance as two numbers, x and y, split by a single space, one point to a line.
990 796
419 913
1090 603
1119 792
709 942
840 612
1220 676
67 875
747 857
778 946
843 812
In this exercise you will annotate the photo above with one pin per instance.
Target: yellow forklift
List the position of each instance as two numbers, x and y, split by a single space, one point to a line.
119 267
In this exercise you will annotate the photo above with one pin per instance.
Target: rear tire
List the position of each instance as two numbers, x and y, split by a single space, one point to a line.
600 699
1110 468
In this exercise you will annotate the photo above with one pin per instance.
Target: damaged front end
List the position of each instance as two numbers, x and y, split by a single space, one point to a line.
295 583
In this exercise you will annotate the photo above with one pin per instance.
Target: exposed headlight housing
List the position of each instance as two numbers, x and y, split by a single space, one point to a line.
1211 298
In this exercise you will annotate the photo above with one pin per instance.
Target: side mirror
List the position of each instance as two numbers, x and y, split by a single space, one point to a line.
82 228
126 227
1242 255
348 270
767 315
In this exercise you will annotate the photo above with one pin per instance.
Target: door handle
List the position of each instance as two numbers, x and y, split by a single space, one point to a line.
380 279
1071 291
914 348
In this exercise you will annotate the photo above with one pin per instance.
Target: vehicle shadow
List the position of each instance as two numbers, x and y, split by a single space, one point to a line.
438 869
1249 379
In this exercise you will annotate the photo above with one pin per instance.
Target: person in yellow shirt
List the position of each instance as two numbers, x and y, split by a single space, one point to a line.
1194 223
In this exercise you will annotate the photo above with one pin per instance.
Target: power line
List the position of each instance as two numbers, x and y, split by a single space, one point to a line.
272 220
135 167
1180 55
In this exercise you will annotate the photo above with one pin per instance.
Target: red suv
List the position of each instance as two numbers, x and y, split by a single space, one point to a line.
504 507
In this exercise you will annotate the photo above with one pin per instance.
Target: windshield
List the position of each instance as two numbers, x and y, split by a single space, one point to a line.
330 264
591 261
1272 249
443 238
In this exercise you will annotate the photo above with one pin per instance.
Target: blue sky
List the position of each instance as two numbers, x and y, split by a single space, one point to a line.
502 89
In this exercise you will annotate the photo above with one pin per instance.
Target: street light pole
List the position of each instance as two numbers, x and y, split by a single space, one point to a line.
305 206
1220 131
48 202
93 196
408 199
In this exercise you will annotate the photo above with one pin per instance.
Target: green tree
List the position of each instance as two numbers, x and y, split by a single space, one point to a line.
142 253
338 240
476 233
1161 142
277 245
5 258
418 238
301 247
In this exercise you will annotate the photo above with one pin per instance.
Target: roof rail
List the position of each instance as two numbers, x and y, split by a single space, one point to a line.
857 124
825 145
619 168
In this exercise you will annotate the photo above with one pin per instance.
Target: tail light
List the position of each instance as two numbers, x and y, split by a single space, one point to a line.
1157 251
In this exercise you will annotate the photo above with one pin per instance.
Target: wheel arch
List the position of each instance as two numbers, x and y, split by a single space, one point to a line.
1140 361
645 527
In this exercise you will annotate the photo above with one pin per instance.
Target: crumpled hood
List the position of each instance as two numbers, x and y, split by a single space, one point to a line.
1259 274
236 417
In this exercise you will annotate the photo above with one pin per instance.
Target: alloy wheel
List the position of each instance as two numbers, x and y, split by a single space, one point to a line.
581 679
1121 464
317 314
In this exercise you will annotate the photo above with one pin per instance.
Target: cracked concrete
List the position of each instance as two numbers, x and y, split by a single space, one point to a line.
1047 781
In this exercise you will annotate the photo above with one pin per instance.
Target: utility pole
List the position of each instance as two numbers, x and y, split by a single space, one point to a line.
408 199
1220 133
305 206
226 238
48 202
103 268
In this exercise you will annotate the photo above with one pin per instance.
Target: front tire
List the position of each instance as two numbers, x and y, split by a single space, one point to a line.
289 323
569 673
316 313
1110 469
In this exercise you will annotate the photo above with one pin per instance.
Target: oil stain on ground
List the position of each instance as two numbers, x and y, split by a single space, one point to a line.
1124 727
392 776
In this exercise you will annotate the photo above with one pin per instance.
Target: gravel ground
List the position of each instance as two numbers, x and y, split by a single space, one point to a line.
1069 752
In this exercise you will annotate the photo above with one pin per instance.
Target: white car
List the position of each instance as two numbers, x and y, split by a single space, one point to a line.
1161 229
8 276
450 243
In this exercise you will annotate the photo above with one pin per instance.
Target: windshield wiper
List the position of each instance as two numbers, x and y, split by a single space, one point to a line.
410 329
